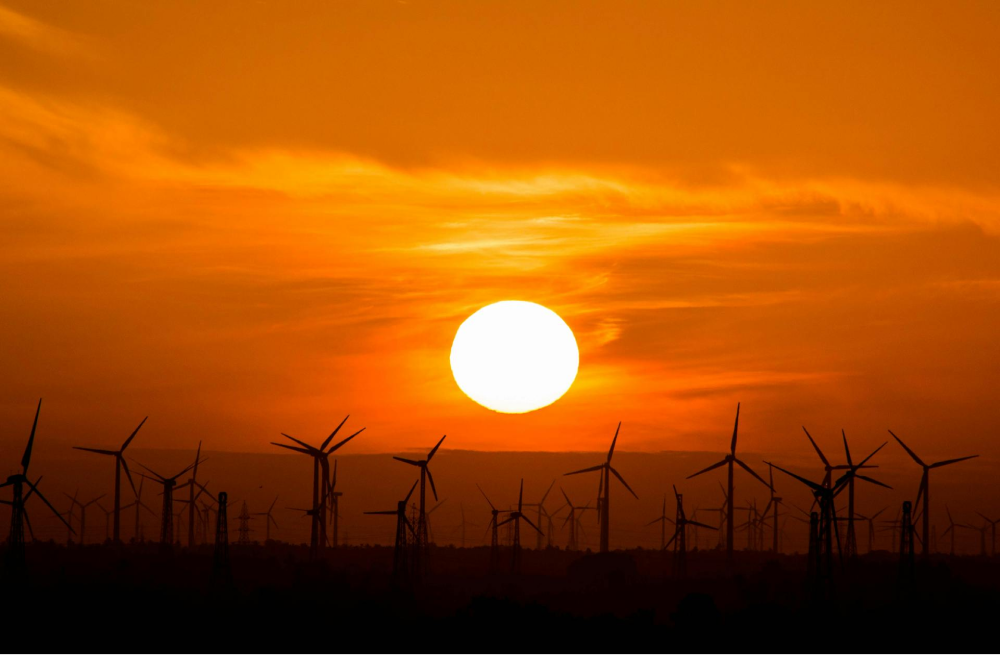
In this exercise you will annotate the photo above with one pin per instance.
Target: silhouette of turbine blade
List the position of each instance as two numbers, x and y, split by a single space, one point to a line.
611 451
818 451
435 448
298 450
520 497
506 520
865 460
907 449
873 481
161 478
26 458
430 478
532 524
411 462
706 470
586 470
132 436
846 448
546 495
99 451
736 428
341 443
327 441
49 505
386 512
128 473
622 480
809 483
485 496
701 525
410 492
311 449
951 461
751 472
667 545
27 521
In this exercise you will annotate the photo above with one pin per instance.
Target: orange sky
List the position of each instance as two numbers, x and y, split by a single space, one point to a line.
244 218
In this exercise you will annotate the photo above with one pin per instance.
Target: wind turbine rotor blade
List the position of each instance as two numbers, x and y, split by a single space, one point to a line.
327 441
736 429
865 460
99 451
586 470
622 480
706 470
26 458
435 448
160 477
809 483
339 444
846 448
520 497
818 451
49 505
411 462
128 473
430 478
951 461
132 436
751 472
907 449
506 520
701 525
546 495
525 518
410 492
485 496
385 512
873 481
611 451
296 449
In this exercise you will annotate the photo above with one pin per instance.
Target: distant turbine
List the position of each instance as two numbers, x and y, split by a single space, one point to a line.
516 517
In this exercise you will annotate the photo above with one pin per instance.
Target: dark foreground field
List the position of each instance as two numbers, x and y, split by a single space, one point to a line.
139 598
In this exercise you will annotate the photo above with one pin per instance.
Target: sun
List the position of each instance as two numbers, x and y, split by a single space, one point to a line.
514 356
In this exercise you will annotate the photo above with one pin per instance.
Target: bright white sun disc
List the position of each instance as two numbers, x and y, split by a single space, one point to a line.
514 356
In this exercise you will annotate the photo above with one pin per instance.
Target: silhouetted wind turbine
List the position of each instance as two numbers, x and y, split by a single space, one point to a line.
851 474
516 517
399 553
993 529
605 508
167 513
270 519
492 528
681 522
662 519
191 484
573 520
138 504
729 460
924 490
425 476
83 513
321 462
952 528
430 528
540 506
15 541
335 506
27 519
120 464
871 527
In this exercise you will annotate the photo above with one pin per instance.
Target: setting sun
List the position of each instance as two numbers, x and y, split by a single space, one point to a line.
514 357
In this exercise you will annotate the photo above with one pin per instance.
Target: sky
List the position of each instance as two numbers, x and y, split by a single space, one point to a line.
246 218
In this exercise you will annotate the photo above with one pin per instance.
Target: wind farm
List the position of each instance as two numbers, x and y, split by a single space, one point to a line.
499 326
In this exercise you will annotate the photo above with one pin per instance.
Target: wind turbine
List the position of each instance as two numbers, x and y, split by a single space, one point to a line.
662 519
120 464
425 476
138 504
191 483
993 530
679 540
573 520
430 528
17 481
317 537
167 513
492 528
540 505
334 496
925 491
270 519
400 567
871 527
83 513
605 503
516 517
851 474
729 460
952 528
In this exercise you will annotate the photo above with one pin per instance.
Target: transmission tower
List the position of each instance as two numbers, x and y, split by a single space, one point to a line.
220 564
244 538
